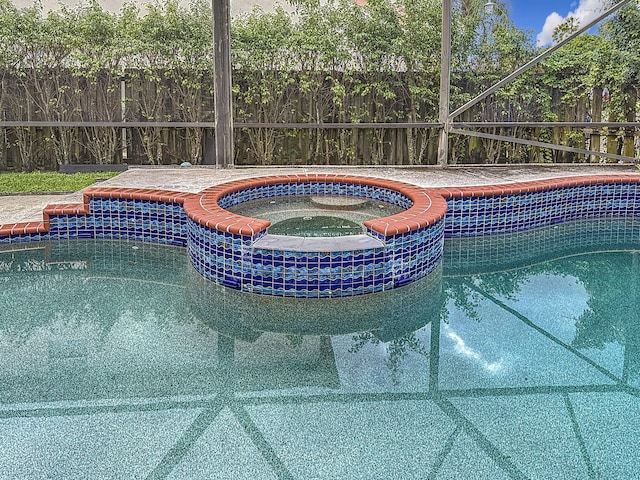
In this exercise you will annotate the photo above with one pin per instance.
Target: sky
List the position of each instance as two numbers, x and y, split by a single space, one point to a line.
542 16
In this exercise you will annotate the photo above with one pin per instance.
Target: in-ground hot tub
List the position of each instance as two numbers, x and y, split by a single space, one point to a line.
390 251
316 215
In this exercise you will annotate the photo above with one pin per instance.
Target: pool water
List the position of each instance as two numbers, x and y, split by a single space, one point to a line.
118 361
316 215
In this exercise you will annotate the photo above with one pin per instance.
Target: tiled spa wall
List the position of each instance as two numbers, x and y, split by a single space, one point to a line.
373 192
125 219
233 259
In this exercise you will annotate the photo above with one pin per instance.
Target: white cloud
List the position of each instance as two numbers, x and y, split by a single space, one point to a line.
546 35
584 12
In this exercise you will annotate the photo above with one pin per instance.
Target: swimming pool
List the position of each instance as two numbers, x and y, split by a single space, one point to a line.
238 252
119 361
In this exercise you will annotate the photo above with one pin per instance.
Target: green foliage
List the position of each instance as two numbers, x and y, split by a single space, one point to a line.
38 182
623 31
565 29
620 62
329 61
573 68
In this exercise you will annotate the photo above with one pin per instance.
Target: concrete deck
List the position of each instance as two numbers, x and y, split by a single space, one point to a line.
25 208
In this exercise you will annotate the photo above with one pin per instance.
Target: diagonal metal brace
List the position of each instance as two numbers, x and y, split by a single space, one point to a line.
535 143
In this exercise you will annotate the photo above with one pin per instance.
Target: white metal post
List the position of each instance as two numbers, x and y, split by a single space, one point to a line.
445 82
222 83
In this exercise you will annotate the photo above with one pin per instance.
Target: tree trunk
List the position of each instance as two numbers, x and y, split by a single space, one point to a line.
630 104
3 149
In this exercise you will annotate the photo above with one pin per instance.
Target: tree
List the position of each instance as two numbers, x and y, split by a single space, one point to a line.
320 46
22 95
623 32
9 60
569 74
98 66
168 59
189 68
487 48
49 76
567 28
419 51
374 32
263 59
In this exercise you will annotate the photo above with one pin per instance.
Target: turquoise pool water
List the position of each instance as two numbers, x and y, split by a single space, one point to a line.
316 215
118 361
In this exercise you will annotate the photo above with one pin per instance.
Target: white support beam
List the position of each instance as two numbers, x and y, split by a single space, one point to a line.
445 84
222 83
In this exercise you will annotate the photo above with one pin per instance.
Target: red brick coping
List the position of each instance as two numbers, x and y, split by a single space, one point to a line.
429 204
426 209
533 186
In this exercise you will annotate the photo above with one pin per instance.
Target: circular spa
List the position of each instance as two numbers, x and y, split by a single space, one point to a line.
315 235
316 215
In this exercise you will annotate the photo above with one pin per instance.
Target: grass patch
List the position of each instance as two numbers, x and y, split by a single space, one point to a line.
40 182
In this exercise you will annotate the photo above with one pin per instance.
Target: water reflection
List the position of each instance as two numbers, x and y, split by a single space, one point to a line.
117 319
584 303
387 315
98 320
506 370
391 320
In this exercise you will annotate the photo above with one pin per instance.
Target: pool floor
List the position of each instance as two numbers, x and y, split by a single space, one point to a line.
110 367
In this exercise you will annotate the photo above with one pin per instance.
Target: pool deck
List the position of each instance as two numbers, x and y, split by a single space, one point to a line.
25 208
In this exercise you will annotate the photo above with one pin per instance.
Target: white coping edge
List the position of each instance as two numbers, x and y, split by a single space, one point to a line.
344 243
